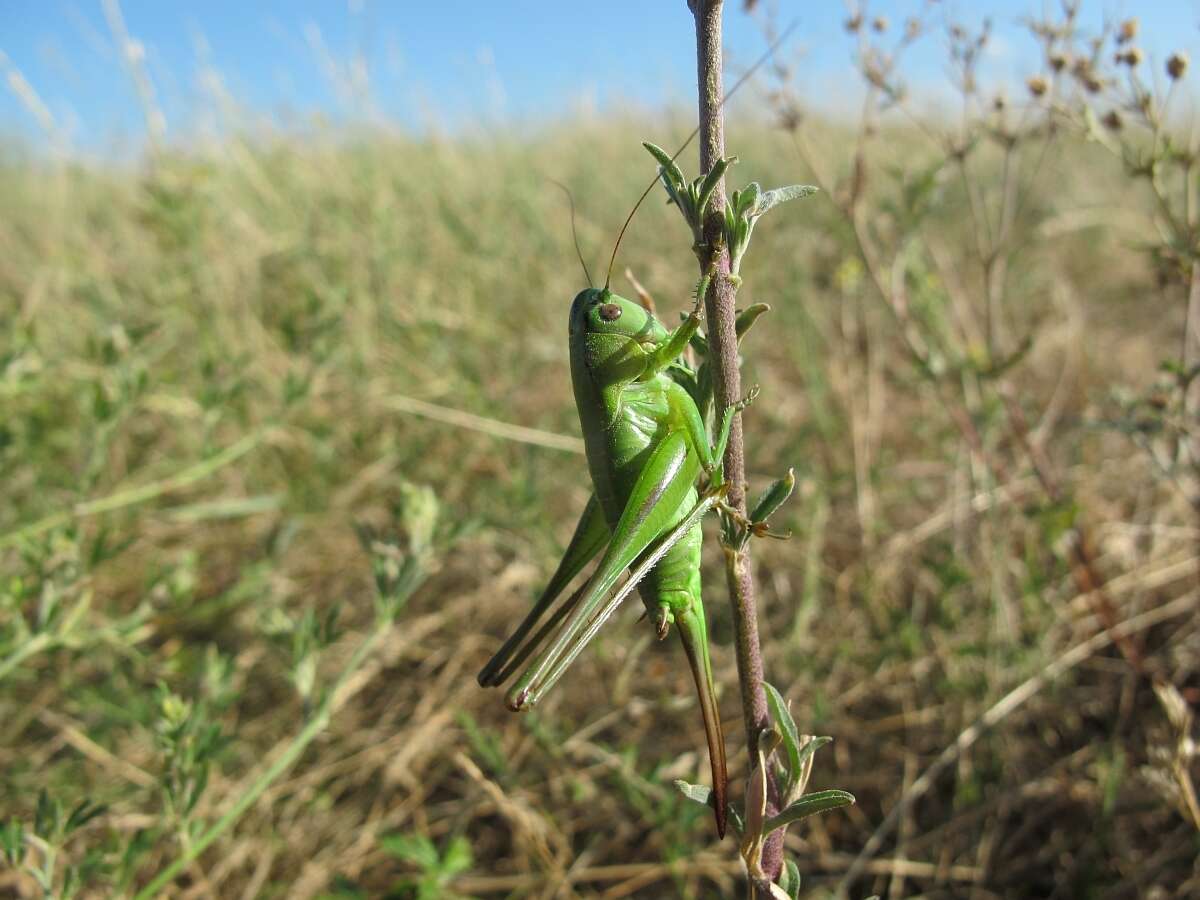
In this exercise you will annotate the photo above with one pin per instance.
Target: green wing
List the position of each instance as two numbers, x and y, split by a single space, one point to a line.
591 534
658 493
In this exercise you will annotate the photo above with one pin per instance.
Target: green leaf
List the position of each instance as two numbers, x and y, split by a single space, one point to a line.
416 849
731 217
136 848
814 744
747 317
70 883
82 814
744 227
785 879
747 199
668 165
47 817
787 728
770 501
197 789
12 841
789 879
709 184
457 858
673 196
806 806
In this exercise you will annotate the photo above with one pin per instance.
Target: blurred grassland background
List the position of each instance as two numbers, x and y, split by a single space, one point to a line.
223 377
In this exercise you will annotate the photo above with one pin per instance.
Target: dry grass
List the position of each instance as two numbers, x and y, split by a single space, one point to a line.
381 312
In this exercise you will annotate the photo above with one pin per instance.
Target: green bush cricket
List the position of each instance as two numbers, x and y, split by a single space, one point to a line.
642 411
646 446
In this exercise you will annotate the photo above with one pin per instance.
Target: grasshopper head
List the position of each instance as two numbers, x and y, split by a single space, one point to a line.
612 336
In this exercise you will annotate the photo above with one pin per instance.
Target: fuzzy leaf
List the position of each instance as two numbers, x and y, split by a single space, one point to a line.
782 195
697 793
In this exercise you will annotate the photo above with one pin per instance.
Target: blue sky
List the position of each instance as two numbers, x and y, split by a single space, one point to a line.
446 63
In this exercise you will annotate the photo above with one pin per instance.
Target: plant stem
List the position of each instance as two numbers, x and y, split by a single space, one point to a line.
727 389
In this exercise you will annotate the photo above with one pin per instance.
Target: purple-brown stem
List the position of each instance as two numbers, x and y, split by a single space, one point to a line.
727 390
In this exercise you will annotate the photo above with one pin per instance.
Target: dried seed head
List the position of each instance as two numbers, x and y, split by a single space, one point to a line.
1177 64
1131 57
854 23
880 24
1086 75
999 103
790 116
1058 61
874 74
912 28
1037 85
1112 121
1128 31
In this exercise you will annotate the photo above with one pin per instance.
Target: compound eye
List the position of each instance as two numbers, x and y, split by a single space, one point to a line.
610 312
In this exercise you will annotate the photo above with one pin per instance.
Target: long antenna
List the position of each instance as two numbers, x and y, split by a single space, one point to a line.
574 234
733 90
